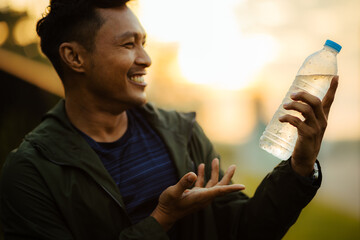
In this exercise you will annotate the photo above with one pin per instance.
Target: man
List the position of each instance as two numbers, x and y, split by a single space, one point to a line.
104 164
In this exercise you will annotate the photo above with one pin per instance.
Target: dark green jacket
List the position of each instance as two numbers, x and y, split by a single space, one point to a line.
54 186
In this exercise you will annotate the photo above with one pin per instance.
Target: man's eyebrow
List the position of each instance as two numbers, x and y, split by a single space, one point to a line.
130 34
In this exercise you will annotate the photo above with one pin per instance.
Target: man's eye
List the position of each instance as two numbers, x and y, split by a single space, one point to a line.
129 44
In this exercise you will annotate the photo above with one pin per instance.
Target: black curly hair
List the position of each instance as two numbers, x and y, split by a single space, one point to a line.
71 20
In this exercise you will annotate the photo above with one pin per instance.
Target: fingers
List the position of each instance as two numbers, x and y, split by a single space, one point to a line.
320 108
228 176
185 182
218 191
200 178
214 173
296 122
178 201
304 109
330 95
313 111
214 180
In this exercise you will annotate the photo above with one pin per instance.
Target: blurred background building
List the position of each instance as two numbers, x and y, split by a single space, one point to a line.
232 62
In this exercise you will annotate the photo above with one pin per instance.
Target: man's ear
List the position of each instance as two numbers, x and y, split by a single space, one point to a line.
72 55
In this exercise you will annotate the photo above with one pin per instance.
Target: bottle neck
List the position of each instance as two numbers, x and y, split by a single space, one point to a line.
330 49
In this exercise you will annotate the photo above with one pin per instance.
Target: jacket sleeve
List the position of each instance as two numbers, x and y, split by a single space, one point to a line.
272 210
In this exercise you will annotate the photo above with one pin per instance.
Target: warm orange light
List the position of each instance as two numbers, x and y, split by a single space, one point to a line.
212 49
228 116
38 74
4 32
24 31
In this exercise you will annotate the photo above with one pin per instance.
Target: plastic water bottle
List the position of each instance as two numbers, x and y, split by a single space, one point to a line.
314 77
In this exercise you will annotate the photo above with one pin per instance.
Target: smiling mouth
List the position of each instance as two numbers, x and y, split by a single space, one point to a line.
138 80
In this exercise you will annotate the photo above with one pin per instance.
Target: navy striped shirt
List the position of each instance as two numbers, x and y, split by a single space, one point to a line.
140 165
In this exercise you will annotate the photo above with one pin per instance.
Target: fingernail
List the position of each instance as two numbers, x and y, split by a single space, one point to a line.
293 95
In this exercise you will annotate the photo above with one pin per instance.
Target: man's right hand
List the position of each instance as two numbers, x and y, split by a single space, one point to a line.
179 200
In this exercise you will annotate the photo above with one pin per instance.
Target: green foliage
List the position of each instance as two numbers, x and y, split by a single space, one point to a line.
320 221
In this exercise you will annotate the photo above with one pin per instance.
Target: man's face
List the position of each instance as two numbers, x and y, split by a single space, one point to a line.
116 67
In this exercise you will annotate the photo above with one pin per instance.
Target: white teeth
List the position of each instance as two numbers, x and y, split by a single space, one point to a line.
139 79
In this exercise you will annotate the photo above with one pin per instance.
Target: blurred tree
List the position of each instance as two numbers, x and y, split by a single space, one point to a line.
30 50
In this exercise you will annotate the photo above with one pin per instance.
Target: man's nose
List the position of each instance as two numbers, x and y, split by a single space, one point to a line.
143 58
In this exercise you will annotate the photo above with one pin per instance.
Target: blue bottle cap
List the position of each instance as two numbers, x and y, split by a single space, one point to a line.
333 45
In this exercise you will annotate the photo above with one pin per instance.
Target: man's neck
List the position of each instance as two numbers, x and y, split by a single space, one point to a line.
96 122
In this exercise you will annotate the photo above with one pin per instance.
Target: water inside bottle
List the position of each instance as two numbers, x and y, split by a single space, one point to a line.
316 85
279 138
